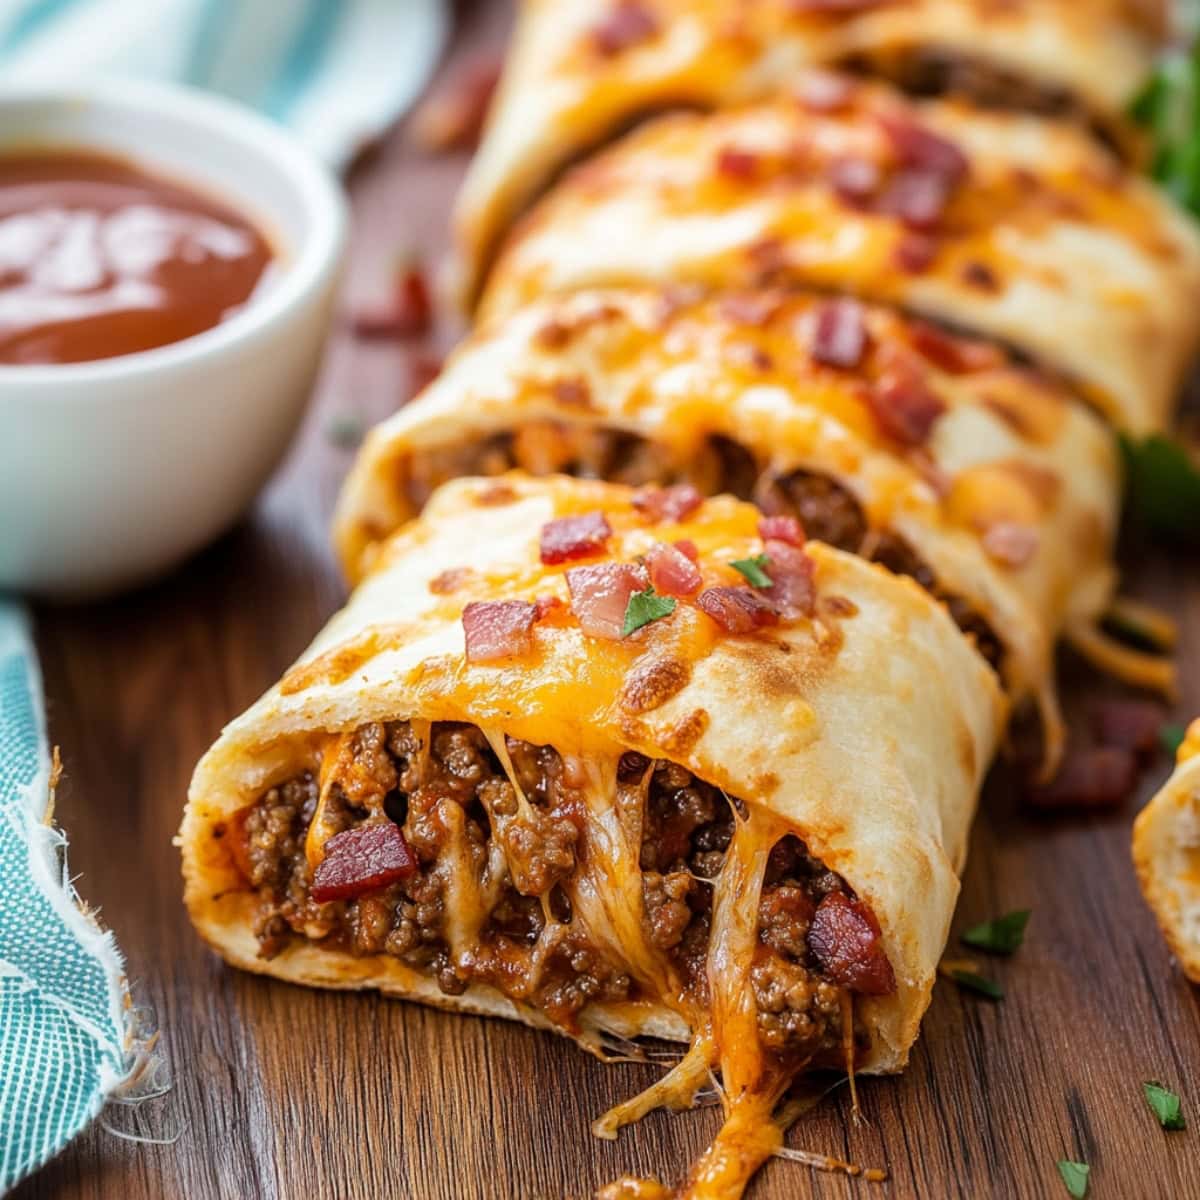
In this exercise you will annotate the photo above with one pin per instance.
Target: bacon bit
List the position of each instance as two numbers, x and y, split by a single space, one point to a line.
826 92
362 860
600 595
845 938
548 606
450 580
903 404
918 198
793 589
855 180
782 529
914 252
674 503
733 163
672 573
452 118
498 629
838 334
626 25
737 609
1132 725
572 393
981 276
749 308
1010 543
688 547
423 369
920 148
958 355
1088 777
768 256
574 537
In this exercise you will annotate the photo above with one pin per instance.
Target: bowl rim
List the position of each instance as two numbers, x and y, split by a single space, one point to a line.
215 116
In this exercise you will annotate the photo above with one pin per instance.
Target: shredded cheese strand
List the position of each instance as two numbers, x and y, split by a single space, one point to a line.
1151 623
1131 666
676 1090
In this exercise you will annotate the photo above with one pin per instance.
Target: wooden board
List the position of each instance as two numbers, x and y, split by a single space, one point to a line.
282 1092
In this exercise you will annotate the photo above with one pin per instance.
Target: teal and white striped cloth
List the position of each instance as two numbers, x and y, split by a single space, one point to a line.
337 72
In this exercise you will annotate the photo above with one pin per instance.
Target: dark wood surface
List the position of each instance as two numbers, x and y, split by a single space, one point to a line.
282 1092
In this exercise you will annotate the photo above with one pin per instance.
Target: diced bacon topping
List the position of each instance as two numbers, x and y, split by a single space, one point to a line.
674 503
923 150
838 333
362 860
672 572
918 198
688 547
825 91
793 588
846 940
903 404
600 595
1010 543
1128 725
733 163
568 538
626 25
958 355
915 252
497 629
855 180
782 529
737 609
1089 777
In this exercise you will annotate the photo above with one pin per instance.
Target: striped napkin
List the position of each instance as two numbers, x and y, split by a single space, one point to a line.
337 72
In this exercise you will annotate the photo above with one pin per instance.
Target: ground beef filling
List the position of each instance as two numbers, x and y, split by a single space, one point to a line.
827 510
454 793
799 1010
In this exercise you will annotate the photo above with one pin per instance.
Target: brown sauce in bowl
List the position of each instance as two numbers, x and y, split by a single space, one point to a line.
99 257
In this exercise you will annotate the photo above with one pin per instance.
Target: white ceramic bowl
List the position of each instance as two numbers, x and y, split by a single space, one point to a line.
113 471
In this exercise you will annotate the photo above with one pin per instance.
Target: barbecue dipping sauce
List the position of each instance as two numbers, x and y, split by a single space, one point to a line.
99 257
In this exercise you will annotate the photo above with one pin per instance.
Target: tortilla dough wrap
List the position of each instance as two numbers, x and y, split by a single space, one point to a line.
1166 853
1009 503
580 71
1018 228
861 723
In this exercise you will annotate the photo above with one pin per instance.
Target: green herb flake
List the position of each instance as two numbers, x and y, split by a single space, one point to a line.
978 983
1168 106
1075 1176
1171 737
1163 486
1165 1105
755 570
1001 936
645 607
345 430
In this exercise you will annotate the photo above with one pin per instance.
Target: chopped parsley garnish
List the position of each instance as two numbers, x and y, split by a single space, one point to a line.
755 570
1165 1105
1169 108
1001 936
645 607
1163 486
1172 737
1075 1176
978 983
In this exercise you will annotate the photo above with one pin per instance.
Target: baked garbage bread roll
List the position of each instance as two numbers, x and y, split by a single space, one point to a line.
581 71
1018 228
740 825
937 455
1166 854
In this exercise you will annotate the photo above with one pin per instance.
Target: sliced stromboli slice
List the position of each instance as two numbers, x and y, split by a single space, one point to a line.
514 777
887 437
1166 854
1018 228
581 71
